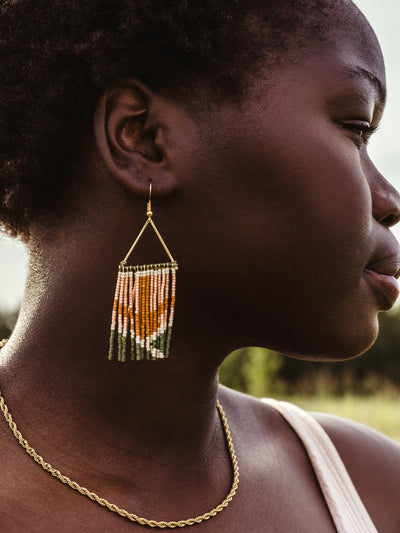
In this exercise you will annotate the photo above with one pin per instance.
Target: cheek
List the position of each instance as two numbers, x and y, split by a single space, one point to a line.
329 217
318 215
284 233
284 201
304 200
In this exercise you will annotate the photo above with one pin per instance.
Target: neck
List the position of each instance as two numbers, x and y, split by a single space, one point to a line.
57 357
128 429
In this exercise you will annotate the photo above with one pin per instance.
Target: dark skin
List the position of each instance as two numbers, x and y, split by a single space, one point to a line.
248 200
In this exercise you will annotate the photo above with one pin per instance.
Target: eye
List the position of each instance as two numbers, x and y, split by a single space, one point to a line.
361 129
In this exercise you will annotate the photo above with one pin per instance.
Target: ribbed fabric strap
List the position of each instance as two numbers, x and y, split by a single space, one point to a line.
347 510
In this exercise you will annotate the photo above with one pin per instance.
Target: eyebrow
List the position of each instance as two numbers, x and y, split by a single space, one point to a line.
359 72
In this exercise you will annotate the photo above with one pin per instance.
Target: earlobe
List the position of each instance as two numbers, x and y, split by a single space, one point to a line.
125 138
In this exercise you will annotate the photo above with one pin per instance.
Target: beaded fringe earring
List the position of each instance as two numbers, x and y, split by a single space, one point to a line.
144 303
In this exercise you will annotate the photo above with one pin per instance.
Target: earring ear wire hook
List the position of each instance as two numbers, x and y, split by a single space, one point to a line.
149 220
149 211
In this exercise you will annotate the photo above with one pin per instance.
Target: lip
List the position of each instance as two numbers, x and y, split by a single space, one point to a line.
385 288
389 265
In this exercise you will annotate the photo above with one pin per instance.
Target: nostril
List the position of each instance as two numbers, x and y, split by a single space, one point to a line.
390 220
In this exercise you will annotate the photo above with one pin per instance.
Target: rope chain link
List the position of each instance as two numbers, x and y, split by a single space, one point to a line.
114 508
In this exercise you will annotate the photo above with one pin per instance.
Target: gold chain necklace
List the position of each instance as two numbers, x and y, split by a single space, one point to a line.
112 507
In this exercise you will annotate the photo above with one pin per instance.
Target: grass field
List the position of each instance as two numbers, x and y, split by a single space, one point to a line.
381 411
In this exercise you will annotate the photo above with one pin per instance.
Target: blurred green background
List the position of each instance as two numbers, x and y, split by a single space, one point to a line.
366 389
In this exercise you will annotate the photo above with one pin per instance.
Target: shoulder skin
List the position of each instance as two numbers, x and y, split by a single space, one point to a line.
373 462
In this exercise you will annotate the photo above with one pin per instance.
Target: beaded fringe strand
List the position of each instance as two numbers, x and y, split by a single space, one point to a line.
143 311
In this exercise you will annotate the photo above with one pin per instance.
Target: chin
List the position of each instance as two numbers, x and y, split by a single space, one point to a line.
339 347
328 341
332 339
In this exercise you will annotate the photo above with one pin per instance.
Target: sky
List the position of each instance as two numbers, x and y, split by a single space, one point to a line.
384 147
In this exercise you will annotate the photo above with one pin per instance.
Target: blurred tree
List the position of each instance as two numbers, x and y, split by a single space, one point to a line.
251 370
7 323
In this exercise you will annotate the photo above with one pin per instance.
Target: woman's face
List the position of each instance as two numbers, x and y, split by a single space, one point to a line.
288 212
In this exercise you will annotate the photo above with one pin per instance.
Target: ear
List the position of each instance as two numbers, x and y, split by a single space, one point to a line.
128 130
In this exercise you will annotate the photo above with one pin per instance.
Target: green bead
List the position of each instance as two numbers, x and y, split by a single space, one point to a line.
111 349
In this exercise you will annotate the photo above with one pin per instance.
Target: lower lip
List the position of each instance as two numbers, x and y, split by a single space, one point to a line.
386 288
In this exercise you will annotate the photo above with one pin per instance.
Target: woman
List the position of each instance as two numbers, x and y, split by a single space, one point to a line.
250 121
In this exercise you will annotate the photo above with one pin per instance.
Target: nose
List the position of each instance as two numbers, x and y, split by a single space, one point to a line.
385 200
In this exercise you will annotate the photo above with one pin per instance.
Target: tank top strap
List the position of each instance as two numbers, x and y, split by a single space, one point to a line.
347 510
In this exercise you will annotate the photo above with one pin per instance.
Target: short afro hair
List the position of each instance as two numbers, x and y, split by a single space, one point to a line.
57 56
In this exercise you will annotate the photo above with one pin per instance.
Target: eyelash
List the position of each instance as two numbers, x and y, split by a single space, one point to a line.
364 130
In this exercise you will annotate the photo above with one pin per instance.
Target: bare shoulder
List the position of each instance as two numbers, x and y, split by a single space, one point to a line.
258 422
246 408
371 459
373 462
362 447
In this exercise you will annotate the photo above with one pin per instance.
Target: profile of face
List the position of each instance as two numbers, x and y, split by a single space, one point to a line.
280 222
290 220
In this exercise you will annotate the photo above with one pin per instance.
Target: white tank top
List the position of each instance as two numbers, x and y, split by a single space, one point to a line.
347 510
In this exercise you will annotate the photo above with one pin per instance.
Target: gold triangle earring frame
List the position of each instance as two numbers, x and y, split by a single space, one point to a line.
144 305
